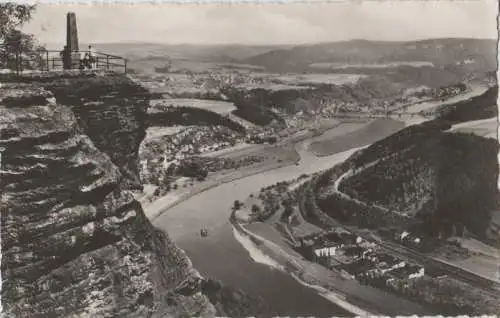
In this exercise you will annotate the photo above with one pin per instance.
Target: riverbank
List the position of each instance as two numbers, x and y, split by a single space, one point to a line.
209 209
348 294
155 209
272 255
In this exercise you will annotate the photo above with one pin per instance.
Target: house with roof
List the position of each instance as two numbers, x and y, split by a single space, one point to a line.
388 262
359 267
348 238
326 251
353 251
333 237
408 238
407 272
368 254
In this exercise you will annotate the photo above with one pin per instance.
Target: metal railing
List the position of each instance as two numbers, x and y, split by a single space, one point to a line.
50 60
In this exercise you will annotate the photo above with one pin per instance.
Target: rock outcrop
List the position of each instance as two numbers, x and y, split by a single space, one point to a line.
74 240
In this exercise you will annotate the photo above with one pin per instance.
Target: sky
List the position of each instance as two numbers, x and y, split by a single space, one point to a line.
245 23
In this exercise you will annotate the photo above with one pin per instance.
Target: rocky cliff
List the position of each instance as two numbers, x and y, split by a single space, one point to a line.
74 240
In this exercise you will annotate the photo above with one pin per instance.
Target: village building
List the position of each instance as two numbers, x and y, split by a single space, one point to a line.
388 263
359 267
354 251
326 251
408 272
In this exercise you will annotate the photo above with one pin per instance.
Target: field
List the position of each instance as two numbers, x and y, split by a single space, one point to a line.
219 107
483 265
487 128
156 132
311 79
225 151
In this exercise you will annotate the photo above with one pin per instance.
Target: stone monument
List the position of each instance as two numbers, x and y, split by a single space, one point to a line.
71 32
72 40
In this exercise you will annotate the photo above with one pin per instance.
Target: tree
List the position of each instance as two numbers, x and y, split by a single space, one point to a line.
12 16
13 41
255 208
237 204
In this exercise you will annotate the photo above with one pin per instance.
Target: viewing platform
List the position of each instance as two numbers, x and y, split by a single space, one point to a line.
16 59
51 61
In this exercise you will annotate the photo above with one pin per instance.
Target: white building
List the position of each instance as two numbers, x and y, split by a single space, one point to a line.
359 240
419 273
403 235
326 251
391 267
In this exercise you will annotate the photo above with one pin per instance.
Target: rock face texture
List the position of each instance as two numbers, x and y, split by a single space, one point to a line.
112 112
74 240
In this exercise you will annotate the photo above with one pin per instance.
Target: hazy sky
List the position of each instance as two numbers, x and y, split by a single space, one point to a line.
268 23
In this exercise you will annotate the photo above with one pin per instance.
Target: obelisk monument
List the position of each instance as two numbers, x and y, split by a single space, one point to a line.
71 32
72 39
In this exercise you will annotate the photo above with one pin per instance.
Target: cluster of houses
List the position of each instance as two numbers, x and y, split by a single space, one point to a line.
357 258
451 90
197 140
172 150
333 244
379 265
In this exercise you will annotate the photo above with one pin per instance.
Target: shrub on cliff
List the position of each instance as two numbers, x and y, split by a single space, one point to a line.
12 40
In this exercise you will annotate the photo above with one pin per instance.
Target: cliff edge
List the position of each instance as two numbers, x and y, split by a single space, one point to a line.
74 240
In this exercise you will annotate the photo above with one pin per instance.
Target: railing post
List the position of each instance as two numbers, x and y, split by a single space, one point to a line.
107 62
40 60
47 57
125 66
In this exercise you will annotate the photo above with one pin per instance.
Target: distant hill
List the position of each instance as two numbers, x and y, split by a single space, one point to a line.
202 53
440 52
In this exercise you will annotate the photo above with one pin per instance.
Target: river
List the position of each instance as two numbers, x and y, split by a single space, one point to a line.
221 257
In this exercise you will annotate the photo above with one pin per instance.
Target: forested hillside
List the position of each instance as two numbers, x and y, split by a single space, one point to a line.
449 179
441 180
